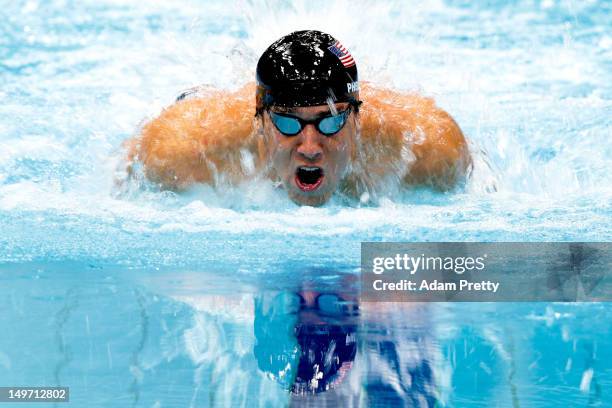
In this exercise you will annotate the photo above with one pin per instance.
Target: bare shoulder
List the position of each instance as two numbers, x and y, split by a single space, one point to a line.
196 139
419 140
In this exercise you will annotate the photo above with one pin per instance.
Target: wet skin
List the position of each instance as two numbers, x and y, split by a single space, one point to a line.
206 139
290 156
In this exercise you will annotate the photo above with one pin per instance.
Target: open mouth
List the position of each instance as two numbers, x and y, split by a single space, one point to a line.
308 178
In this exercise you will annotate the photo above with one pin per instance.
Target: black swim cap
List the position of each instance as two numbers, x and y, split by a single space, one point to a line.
327 353
306 68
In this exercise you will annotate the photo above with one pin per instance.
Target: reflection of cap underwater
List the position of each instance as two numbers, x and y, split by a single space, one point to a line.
327 353
305 354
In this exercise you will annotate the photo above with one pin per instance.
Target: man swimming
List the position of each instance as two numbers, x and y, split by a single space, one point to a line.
316 130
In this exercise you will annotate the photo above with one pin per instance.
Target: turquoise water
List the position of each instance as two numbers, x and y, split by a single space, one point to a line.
149 298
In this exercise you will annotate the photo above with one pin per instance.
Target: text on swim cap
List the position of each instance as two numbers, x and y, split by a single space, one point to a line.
352 87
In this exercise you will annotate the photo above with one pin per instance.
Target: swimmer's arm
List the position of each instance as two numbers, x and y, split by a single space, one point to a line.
416 133
442 159
196 141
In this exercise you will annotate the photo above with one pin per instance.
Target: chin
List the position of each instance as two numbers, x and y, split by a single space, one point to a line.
313 200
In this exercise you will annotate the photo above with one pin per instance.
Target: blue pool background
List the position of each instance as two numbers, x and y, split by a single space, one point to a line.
144 298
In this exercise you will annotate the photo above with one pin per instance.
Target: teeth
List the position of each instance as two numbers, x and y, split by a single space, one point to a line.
309 168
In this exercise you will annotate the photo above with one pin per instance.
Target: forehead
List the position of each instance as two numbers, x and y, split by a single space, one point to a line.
310 110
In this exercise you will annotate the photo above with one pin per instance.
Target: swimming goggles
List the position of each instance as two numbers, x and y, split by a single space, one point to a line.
327 304
328 125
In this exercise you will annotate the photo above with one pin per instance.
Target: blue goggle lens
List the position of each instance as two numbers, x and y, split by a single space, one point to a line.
292 125
286 125
332 124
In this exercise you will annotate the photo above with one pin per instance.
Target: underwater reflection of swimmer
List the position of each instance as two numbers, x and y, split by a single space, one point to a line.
306 340
319 347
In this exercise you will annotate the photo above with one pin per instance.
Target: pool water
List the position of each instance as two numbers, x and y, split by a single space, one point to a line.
149 298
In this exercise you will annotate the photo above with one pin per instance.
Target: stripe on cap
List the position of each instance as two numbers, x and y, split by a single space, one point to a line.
343 54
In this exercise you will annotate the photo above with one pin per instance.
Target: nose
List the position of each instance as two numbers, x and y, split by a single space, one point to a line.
309 297
310 147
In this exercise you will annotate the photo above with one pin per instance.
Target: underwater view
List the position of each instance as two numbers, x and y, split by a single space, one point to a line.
134 295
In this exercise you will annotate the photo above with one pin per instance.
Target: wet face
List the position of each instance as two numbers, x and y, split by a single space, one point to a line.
310 164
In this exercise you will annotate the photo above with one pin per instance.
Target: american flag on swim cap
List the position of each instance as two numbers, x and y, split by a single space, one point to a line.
341 52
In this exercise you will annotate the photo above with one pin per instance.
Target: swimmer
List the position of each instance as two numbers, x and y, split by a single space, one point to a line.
316 131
